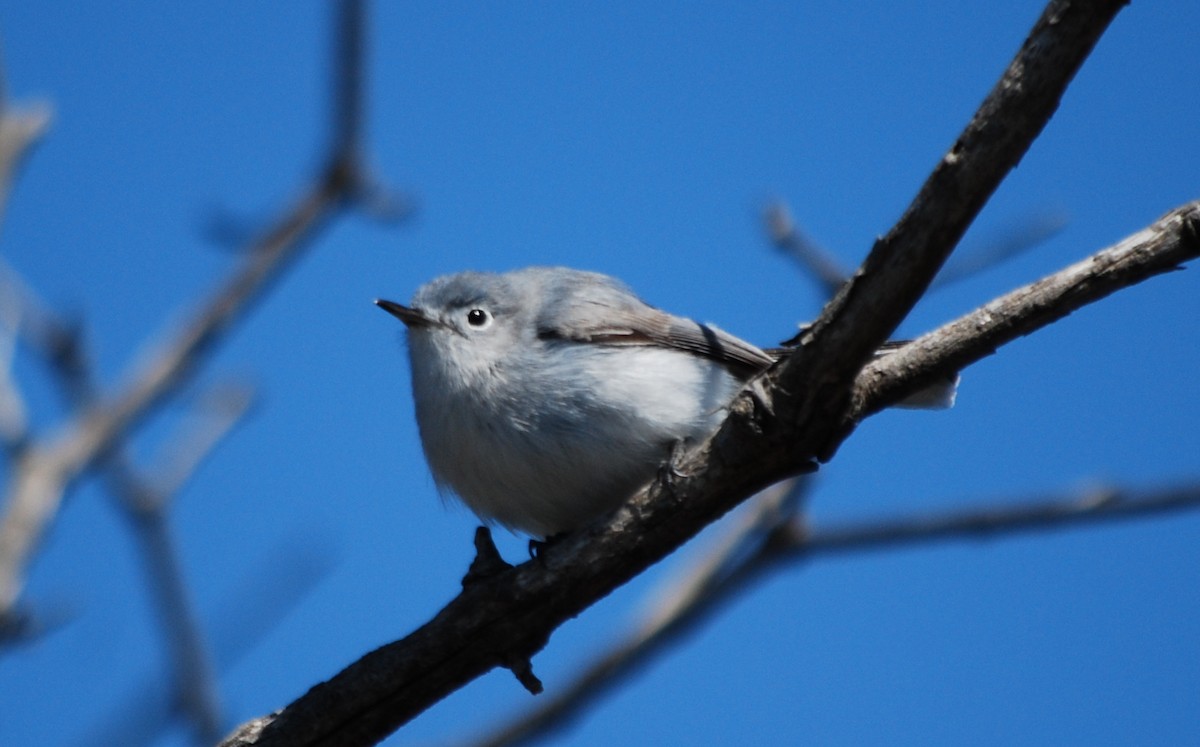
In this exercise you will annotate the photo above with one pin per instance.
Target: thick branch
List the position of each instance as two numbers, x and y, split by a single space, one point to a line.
512 614
780 428
903 263
1162 247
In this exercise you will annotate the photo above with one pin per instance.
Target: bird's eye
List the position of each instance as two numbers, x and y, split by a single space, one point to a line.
478 318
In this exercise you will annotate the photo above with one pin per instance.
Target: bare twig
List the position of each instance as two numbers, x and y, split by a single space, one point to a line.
20 129
824 268
49 467
797 541
1053 512
14 422
1158 248
791 240
193 689
1026 233
778 505
146 502
267 593
217 411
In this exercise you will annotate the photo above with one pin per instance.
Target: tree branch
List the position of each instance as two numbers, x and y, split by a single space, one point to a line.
46 469
795 541
780 427
1161 247
146 503
903 263
514 612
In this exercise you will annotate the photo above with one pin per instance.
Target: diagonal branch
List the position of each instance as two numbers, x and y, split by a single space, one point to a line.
795 541
1161 247
680 606
39 480
513 613
903 263
788 238
146 501
779 428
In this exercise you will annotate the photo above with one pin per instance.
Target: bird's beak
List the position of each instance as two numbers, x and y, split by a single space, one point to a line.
410 316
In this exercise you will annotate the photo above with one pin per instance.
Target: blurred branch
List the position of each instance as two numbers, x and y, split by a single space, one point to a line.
20 129
825 269
789 239
780 426
146 502
270 589
218 410
793 540
45 468
49 466
14 422
1020 237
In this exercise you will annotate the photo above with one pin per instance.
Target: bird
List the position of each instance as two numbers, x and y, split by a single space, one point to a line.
546 396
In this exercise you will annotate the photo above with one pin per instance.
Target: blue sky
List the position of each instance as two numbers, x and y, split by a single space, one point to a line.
640 141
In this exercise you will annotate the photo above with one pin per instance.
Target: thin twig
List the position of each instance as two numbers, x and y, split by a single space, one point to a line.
802 542
1026 233
827 272
21 128
267 592
788 238
146 502
778 505
1159 248
14 421
49 467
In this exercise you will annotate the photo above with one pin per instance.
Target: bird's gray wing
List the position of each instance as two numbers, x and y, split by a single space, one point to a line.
620 319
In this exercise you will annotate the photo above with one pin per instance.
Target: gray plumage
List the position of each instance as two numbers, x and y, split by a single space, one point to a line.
546 396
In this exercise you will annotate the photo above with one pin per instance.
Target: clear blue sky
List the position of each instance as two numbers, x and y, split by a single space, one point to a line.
636 139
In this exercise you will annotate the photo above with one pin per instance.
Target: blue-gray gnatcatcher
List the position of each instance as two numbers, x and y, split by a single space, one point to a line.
546 396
